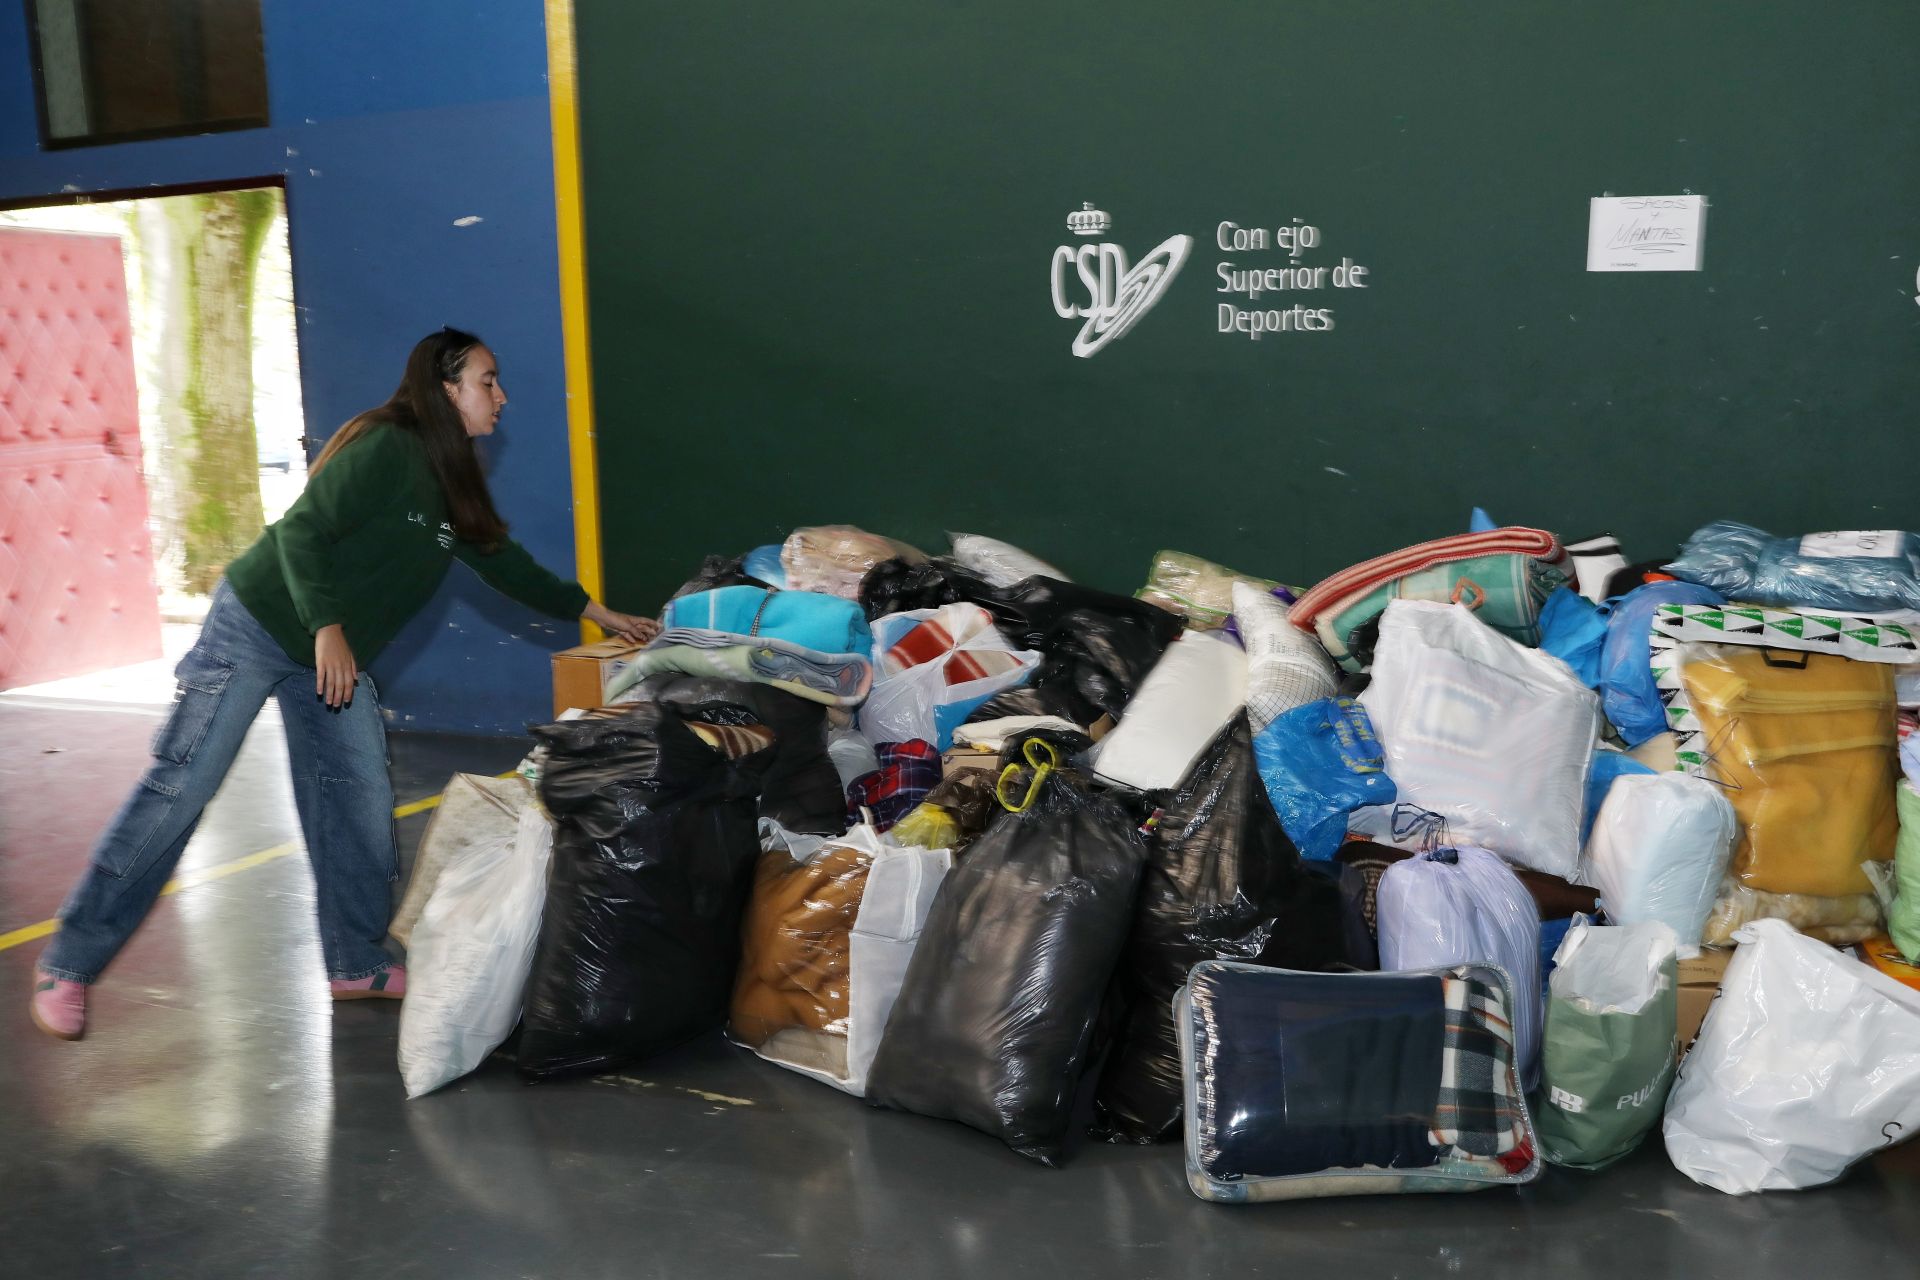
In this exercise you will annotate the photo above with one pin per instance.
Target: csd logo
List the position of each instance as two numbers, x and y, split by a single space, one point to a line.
1112 295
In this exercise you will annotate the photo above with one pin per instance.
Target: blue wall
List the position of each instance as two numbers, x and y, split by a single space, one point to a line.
390 121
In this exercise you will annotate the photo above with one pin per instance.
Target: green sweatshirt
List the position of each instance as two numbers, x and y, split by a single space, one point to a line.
366 546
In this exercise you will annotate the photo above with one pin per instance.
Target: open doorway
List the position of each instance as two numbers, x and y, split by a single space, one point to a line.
208 289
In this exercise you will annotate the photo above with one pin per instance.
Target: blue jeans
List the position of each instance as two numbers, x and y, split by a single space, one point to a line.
340 787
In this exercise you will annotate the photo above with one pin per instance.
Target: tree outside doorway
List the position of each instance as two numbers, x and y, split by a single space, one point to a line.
210 282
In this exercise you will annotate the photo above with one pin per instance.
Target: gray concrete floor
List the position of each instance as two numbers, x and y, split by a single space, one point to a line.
222 1118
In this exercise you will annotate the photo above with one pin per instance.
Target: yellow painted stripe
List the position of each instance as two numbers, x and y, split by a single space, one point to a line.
28 934
220 871
570 217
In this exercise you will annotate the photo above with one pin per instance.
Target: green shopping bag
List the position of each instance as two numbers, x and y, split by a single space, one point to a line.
1611 1041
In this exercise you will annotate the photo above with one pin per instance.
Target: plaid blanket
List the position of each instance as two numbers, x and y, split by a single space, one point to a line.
1504 575
948 637
907 772
1476 1115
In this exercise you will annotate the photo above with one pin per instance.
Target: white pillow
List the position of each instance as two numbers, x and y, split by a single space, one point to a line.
1188 697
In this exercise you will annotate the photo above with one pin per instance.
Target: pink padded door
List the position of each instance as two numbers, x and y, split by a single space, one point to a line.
77 588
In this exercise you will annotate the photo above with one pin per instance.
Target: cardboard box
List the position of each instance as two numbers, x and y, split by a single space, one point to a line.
1699 980
580 674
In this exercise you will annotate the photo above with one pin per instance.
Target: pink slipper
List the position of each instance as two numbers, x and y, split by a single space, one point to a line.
59 1007
389 983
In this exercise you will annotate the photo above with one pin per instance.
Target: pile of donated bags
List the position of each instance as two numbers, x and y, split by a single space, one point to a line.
1385 885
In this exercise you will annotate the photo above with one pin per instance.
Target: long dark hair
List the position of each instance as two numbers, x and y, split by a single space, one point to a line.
422 407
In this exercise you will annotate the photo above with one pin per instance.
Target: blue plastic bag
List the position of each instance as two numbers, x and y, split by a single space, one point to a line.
1627 692
764 563
1319 763
1857 571
1574 630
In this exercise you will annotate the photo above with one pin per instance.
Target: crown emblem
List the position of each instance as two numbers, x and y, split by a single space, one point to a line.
1089 221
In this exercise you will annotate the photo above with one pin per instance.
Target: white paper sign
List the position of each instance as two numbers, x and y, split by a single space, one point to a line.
1645 233
1854 544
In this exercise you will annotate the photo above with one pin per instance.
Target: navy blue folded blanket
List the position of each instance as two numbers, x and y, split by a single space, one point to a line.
1317 1072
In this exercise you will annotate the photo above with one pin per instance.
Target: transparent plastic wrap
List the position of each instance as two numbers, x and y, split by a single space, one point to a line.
833 558
1001 563
1839 920
1808 1061
1286 667
654 848
1856 571
933 667
824 945
1466 906
1199 591
1307 1085
1194 691
1222 883
471 952
1319 763
1805 747
1612 1041
1659 850
995 1019
1494 737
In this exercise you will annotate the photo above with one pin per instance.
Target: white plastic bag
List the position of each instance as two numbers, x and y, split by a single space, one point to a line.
900 884
1808 1061
1658 850
1188 697
476 812
966 660
1465 906
1286 667
1001 563
472 951
1491 735
1611 968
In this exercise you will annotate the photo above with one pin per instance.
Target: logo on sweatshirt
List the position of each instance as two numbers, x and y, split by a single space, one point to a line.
446 536
1113 294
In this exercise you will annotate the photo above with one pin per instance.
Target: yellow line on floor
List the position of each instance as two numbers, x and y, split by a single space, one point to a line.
219 871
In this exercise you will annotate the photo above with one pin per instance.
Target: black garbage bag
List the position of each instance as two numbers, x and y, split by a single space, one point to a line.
895 586
718 571
994 1021
1222 882
800 789
654 847
1098 646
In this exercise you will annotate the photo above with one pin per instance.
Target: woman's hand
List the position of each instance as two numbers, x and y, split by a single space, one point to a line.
334 670
625 625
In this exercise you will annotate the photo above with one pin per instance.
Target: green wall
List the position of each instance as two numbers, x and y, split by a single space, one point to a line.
819 242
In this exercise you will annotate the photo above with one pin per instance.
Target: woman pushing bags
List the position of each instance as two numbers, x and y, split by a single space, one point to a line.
394 497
